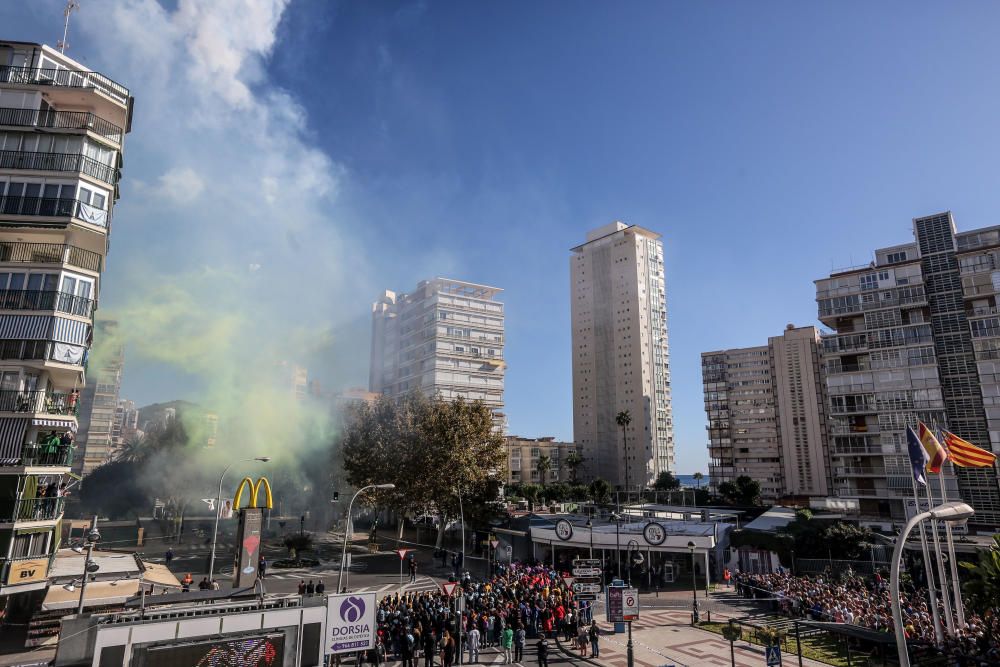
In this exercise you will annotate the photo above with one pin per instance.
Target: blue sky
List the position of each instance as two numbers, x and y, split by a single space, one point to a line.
768 142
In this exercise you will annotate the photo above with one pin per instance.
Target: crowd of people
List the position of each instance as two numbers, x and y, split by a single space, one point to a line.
856 600
519 610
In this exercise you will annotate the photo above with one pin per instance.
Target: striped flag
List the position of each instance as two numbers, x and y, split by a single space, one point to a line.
935 452
965 454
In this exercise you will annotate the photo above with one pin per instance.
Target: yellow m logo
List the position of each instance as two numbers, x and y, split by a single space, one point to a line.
247 483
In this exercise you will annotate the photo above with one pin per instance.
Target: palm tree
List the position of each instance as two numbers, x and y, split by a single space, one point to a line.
573 461
543 467
133 450
623 419
697 479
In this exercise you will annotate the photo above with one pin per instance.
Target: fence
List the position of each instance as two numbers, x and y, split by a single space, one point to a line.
839 567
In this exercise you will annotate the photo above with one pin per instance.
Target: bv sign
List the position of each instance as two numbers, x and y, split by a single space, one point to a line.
25 571
350 623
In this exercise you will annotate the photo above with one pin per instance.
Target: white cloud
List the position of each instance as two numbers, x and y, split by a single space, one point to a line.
181 185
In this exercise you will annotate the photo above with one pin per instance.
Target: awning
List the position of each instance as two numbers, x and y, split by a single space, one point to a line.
69 331
159 575
30 327
98 593
12 436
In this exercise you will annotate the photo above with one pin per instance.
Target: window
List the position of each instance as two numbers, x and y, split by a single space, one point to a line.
896 257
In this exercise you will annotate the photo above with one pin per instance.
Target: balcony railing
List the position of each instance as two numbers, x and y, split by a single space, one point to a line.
16 252
59 162
46 300
53 207
71 78
37 455
61 120
34 509
38 400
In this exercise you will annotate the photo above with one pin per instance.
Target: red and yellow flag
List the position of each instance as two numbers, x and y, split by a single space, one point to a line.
965 454
935 452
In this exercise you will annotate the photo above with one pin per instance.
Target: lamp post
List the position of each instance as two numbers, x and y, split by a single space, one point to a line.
218 511
93 537
347 527
590 527
618 544
694 587
954 511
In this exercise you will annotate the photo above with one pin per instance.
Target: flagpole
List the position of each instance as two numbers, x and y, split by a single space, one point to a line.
949 620
928 573
952 561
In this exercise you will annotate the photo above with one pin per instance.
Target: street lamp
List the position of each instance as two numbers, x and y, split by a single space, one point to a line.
590 527
618 544
347 528
218 511
954 511
89 566
694 587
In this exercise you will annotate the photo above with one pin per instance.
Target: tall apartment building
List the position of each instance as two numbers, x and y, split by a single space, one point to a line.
916 337
125 424
61 132
524 455
766 415
621 357
98 404
445 338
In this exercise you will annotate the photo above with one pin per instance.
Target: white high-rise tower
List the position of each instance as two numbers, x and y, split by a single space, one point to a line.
621 356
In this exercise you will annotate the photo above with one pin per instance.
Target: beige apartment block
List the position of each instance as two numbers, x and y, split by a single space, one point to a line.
766 415
445 339
916 337
621 356
523 455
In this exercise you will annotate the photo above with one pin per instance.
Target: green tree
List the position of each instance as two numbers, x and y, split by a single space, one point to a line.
431 449
573 462
600 491
743 491
732 633
666 481
543 467
557 492
531 493
981 589
697 479
623 419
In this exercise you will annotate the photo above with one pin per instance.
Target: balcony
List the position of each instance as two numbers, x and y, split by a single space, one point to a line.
16 252
52 207
34 509
61 302
39 350
74 162
38 401
36 456
70 78
854 471
61 120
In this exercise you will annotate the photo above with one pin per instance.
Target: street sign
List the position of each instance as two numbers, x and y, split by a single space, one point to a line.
586 596
586 572
350 623
586 562
510 550
402 553
586 588
773 655
448 587
568 580
494 543
630 604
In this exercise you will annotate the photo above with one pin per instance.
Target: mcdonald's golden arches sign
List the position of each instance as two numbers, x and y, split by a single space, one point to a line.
247 483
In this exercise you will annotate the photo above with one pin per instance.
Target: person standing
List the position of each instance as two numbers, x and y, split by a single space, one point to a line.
406 648
543 651
595 635
447 649
507 641
320 587
472 640
519 638
302 587
429 648
412 565
310 588
169 556
261 567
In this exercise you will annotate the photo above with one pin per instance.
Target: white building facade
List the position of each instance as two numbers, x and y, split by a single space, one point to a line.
621 356
445 339
62 128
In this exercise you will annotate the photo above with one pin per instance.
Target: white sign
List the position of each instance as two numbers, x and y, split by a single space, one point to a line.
350 623
587 588
586 571
630 604
448 587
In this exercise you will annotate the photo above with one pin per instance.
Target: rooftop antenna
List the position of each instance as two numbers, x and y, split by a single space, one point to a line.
71 6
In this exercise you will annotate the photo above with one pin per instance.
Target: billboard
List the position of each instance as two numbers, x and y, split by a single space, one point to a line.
255 651
25 571
248 548
350 623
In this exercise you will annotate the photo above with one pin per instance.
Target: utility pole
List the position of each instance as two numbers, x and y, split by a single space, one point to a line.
71 6
93 537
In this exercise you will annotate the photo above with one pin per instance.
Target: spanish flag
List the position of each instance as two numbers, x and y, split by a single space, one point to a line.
965 454
935 452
